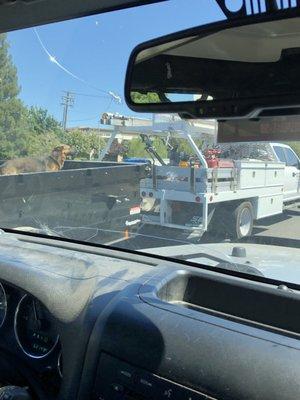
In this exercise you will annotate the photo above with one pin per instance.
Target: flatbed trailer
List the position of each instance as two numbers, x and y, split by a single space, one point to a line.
84 200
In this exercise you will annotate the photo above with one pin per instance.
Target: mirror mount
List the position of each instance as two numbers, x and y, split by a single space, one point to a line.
242 12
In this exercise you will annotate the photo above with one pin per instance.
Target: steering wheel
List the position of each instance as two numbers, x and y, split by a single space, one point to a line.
17 382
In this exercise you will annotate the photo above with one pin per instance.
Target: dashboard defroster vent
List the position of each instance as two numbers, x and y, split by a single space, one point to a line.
11 2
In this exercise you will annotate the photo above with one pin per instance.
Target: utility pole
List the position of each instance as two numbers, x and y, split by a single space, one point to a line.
67 101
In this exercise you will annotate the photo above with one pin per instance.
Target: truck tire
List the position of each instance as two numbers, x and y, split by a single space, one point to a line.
232 221
242 221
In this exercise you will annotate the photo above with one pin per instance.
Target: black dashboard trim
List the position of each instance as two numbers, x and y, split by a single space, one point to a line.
229 363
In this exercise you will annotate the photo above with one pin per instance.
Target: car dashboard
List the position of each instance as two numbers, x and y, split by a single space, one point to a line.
80 322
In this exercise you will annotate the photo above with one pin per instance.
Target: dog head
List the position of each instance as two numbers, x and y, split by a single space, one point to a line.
61 153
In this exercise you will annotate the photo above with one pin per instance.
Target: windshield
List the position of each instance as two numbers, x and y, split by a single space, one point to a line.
77 163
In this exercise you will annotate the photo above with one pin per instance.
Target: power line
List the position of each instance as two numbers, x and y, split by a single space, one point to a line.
53 59
91 95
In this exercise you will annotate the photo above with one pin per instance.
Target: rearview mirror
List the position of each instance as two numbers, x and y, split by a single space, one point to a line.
224 70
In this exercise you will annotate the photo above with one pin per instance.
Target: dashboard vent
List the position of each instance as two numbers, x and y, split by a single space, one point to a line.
243 8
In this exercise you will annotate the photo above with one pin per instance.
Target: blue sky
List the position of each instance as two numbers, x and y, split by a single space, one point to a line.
96 49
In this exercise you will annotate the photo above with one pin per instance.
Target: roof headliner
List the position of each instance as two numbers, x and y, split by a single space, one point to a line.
26 13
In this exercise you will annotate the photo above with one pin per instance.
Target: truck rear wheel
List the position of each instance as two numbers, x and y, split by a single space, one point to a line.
233 221
242 220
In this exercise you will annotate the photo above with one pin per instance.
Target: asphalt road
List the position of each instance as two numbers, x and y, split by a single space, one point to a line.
286 225
282 229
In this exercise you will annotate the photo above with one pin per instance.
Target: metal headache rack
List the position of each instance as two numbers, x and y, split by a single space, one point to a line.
161 125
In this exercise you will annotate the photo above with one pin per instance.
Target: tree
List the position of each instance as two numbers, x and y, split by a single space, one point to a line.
42 132
9 88
140 98
40 121
83 142
295 146
12 111
136 148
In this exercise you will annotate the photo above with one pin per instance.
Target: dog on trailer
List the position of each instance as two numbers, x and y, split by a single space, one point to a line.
52 163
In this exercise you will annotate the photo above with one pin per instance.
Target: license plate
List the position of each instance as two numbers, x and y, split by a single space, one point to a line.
194 221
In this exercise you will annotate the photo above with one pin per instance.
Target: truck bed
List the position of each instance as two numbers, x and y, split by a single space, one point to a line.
184 197
245 175
82 200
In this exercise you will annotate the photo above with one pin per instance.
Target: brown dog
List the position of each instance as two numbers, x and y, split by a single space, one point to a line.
52 163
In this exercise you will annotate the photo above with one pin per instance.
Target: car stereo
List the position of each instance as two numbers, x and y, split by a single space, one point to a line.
118 380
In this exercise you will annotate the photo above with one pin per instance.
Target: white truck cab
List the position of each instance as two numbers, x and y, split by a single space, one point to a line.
285 154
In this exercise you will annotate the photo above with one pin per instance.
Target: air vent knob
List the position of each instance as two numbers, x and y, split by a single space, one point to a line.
285 288
239 252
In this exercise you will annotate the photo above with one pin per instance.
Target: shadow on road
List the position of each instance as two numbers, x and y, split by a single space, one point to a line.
265 231
275 219
257 230
292 213
272 241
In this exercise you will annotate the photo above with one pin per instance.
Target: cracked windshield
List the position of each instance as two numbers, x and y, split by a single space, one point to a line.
77 163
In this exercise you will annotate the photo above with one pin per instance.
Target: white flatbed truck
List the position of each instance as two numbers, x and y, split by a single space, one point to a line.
221 199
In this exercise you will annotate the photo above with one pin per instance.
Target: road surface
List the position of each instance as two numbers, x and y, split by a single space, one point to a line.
282 229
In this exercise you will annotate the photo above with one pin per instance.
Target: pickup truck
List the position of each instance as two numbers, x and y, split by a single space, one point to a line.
249 181
285 154
271 152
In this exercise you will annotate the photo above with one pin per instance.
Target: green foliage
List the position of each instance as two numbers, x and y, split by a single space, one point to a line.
137 147
184 146
160 147
40 145
12 111
140 98
42 133
295 146
40 121
9 88
83 142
